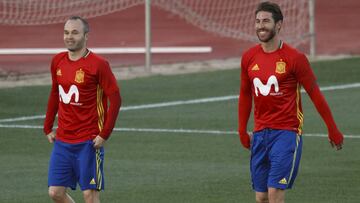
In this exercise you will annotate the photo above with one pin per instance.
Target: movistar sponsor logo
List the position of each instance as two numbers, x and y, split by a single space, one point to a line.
265 88
65 97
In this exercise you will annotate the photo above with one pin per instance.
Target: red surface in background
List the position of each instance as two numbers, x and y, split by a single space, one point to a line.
337 28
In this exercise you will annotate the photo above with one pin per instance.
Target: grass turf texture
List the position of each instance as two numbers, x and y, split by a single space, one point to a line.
177 167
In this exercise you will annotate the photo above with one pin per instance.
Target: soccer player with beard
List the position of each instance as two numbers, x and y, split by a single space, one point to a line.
271 75
82 86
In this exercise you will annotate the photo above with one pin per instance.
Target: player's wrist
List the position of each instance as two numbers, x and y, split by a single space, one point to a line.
242 132
337 138
51 134
47 131
245 140
104 136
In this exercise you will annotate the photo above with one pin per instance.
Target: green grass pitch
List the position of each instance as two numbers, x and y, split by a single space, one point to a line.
163 167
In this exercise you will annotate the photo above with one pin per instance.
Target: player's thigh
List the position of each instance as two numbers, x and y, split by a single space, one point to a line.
61 166
259 165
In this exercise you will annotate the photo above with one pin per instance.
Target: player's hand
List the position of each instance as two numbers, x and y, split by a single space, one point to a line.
245 139
336 139
51 136
98 142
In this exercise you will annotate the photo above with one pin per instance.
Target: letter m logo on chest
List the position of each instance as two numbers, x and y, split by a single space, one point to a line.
65 97
264 89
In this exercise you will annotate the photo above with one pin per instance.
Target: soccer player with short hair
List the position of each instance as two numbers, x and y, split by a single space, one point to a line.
272 73
82 86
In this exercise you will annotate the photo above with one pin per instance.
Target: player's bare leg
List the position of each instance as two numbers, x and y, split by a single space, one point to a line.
261 197
276 195
91 196
58 194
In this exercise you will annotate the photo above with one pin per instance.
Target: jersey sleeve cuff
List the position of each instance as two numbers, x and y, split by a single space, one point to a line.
47 131
104 135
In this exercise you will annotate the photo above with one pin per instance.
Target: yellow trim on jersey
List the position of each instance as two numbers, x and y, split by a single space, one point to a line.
300 115
98 171
100 107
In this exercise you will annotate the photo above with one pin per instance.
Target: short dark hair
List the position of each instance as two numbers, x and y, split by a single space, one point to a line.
272 8
84 22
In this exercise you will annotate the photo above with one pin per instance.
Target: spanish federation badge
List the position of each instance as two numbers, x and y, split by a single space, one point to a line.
79 76
280 67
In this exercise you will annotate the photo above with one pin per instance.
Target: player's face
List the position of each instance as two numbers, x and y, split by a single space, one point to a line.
265 26
74 36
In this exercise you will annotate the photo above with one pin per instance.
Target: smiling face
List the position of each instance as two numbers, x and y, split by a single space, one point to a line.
266 28
74 35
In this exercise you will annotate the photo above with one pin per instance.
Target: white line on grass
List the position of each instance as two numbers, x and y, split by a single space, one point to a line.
179 131
23 118
180 102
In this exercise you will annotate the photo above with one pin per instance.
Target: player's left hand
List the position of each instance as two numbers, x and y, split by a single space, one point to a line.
336 139
245 139
51 136
98 142
337 146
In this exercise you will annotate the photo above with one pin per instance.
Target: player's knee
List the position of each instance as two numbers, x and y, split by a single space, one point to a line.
263 198
56 194
87 195
91 196
276 195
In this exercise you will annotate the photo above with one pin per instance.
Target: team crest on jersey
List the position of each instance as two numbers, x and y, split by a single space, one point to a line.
58 72
280 67
79 76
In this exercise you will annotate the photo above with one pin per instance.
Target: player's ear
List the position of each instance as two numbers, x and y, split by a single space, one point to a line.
279 25
86 36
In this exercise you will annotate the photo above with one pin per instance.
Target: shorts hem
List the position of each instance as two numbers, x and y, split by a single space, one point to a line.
91 188
281 187
66 186
260 190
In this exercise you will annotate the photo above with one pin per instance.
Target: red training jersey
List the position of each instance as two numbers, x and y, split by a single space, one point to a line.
274 80
79 94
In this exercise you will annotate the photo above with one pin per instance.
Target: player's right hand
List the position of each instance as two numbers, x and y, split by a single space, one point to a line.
245 139
51 136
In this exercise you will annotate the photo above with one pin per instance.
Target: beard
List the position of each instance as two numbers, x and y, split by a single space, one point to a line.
270 34
75 45
74 49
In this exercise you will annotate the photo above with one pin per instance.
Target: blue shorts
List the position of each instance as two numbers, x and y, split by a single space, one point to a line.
275 159
76 163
